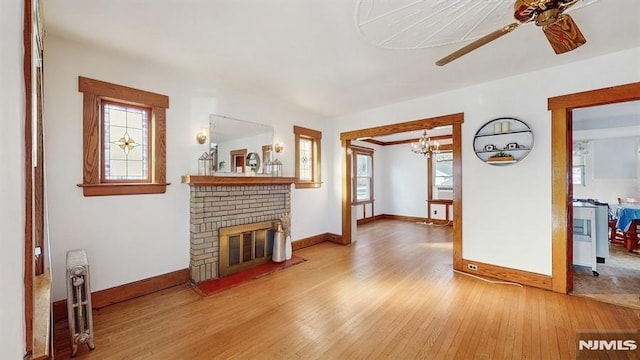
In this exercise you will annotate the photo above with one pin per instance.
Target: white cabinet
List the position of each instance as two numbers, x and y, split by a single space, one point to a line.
584 236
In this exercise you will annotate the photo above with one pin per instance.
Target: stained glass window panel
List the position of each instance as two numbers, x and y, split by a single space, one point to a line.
125 142
306 159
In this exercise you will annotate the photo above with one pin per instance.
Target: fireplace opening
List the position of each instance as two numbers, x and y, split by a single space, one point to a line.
245 246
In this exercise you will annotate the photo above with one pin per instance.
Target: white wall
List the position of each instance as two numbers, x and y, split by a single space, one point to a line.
129 238
607 185
404 175
506 210
12 190
400 181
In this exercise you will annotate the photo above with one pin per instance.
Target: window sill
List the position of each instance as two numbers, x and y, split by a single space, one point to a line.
362 202
441 201
42 315
123 189
307 184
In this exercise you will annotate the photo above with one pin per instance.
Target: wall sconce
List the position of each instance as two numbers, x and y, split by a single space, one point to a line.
201 136
278 147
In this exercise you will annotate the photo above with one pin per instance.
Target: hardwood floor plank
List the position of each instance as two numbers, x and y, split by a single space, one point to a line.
392 294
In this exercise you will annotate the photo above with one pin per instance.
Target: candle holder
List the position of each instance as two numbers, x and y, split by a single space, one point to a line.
277 168
204 164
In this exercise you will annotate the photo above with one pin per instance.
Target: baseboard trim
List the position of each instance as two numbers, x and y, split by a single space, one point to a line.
128 291
334 238
310 241
316 239
369 219
405 218
508 274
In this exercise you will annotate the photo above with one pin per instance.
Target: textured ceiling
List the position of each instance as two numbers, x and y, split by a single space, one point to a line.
324 55
411 24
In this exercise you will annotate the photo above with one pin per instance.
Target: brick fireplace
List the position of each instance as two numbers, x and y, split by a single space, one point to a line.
218 202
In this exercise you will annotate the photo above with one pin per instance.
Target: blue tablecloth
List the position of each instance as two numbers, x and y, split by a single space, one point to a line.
626 214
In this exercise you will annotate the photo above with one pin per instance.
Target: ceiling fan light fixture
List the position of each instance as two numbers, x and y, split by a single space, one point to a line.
564 35
547 17
561 31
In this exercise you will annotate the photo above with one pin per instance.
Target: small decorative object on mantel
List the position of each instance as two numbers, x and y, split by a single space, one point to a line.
204 164
268 167
277 168
285 219
500 157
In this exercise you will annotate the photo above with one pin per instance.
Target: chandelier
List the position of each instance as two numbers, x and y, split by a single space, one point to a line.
425 146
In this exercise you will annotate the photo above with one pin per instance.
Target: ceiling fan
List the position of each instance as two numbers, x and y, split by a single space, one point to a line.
560 29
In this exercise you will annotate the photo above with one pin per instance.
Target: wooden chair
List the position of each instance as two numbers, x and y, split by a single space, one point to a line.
615 236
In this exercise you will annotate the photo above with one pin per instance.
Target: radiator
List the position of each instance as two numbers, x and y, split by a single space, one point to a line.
79 300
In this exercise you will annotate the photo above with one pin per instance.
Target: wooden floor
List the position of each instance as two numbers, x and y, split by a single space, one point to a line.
392 294
619 280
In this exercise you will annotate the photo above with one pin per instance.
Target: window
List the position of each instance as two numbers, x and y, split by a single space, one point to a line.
444 170
363 174
578 170
124 140
307 157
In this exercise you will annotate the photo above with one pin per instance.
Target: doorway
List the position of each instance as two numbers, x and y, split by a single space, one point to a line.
455 120
561 108
606 139
238 160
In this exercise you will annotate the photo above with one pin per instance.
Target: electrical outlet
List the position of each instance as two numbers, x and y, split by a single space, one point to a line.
473 267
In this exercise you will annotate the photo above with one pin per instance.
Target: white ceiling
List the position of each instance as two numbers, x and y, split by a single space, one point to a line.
311 52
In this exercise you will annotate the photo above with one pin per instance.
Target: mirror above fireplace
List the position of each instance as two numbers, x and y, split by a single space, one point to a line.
231 134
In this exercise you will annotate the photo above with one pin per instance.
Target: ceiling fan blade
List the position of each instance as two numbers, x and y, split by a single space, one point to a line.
476 44
564 35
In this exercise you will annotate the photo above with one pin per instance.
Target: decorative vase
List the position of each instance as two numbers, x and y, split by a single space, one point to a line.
278 254
288 252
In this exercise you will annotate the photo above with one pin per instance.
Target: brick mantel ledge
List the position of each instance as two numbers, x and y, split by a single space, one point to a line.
202 180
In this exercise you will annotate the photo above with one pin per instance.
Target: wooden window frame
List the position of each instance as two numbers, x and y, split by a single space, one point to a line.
315 137
95 92
355 150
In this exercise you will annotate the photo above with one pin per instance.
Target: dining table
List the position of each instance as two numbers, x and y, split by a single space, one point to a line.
628 219
626 214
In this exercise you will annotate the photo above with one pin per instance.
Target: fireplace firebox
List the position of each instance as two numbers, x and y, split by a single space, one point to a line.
245 246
